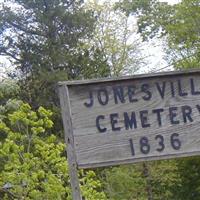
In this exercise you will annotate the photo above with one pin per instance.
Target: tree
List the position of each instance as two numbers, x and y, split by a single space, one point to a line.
8 90
115 38
124 182
153 180
188 188
9 100
183 35
44 40
173 23
33 165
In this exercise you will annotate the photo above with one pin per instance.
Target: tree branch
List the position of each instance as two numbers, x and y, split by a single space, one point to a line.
19 27
6 53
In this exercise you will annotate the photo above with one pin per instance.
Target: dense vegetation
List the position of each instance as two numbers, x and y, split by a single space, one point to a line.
53 40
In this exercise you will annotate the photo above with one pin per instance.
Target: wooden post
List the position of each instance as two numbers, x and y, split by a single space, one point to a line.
67 124
148 179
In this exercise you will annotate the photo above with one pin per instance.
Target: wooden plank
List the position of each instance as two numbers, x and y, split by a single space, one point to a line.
128 120
69 140
84 118
109 150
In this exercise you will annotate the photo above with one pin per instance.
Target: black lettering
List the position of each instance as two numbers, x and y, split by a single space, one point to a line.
145 89
101 129
161 143
161 89
172 89
158 111
118 94
193 91
144 118
144 145
187 111
91 100
130 122
131 93
172 115
175 142
132 147
180 91
114 121
103 96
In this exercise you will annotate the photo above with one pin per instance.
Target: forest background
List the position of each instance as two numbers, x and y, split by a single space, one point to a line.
47 41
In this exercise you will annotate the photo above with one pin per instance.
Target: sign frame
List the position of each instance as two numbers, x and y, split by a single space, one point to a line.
69 141
68 127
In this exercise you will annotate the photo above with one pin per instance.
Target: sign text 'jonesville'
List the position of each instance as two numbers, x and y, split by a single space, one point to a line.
127 94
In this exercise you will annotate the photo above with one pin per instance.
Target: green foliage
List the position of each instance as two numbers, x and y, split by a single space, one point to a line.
151 14
124 182
184 38
159 179
189 187
9 101
165 179
178 24
44 40
8 90
33 165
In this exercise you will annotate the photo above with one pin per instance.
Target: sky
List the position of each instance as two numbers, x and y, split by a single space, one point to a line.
153 50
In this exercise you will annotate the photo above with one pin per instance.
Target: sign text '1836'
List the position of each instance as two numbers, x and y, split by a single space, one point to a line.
145 145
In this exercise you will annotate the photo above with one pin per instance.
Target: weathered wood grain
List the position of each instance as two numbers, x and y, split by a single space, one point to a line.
109 141
108 150
84 118
69 140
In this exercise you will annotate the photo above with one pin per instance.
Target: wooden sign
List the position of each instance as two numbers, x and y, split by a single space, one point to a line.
132 119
